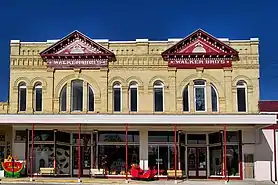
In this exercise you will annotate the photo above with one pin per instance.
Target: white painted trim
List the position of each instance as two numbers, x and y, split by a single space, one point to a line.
138 119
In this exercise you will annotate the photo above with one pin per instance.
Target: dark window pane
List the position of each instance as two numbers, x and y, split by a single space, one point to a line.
233 136
133 99
185 100
200 101
215 138
63 137
63 99
233 160
241 100
214 101
158 99
118 136
42 135
77 95
196 139
38 99
22 99
215 154
117 99
161 136
91 100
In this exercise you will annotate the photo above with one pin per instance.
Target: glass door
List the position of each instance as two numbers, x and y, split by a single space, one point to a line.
153 158
197 165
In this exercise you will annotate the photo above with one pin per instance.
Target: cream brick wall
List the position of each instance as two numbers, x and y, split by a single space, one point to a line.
136 60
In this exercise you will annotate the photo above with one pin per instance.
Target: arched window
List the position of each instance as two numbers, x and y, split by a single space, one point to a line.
91 99
76 95
117 97
185 99
158 96
22 96
37 97
241 96
214 99
63 98
133 97
200 95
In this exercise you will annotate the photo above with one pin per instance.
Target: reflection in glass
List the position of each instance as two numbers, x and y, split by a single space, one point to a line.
112 158
62 159
215 154
77 95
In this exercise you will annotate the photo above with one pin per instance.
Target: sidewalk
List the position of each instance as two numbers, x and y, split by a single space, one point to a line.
40 180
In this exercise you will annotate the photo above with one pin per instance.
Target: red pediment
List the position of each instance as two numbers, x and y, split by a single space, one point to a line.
200 44
76 45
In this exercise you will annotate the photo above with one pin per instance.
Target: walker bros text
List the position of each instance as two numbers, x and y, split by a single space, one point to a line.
205 63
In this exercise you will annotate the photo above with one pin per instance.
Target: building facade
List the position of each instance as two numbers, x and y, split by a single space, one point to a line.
194 98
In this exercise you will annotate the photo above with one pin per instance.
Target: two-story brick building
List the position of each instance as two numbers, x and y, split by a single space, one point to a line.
189 104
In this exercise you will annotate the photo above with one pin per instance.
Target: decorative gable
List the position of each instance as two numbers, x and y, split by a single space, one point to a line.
77 51
200 49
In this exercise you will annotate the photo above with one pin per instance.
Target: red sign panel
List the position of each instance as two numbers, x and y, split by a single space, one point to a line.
205 63
75 63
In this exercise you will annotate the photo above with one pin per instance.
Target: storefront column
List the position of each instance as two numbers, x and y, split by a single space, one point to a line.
79 152
175 151
143 153
32 153
225 154
126 153
275 155
54 150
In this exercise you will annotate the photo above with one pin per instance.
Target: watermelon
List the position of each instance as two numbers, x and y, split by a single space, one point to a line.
12 169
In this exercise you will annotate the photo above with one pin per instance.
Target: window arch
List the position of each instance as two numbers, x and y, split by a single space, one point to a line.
22 93
200 95
91 99
133 96
117 97
241 96
76 95
63 98
37 97
158 96
214 99
185 99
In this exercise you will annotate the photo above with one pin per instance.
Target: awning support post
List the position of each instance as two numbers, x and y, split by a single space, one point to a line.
32 152
175 151
126 153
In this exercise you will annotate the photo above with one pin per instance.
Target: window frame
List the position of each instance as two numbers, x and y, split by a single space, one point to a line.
37 86
242 86
217 98
22 85
117 85
188 98
88 97
133 85
161 86
71 96
205 95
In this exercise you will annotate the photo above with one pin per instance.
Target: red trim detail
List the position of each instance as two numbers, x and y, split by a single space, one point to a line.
32 150
126 152
275 154
175 145
79 151
202 36
71 37
225 153
268 106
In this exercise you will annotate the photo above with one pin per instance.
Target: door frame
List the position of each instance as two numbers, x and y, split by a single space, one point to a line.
196 162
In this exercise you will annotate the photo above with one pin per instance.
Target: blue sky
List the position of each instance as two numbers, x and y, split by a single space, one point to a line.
33 20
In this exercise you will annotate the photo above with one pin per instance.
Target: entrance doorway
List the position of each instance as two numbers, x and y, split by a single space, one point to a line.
197 162
161 157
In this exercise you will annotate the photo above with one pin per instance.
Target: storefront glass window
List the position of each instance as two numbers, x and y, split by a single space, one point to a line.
119 136
161 136
42 135
112 158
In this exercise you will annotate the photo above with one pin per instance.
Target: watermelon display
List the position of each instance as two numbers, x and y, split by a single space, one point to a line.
12 169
